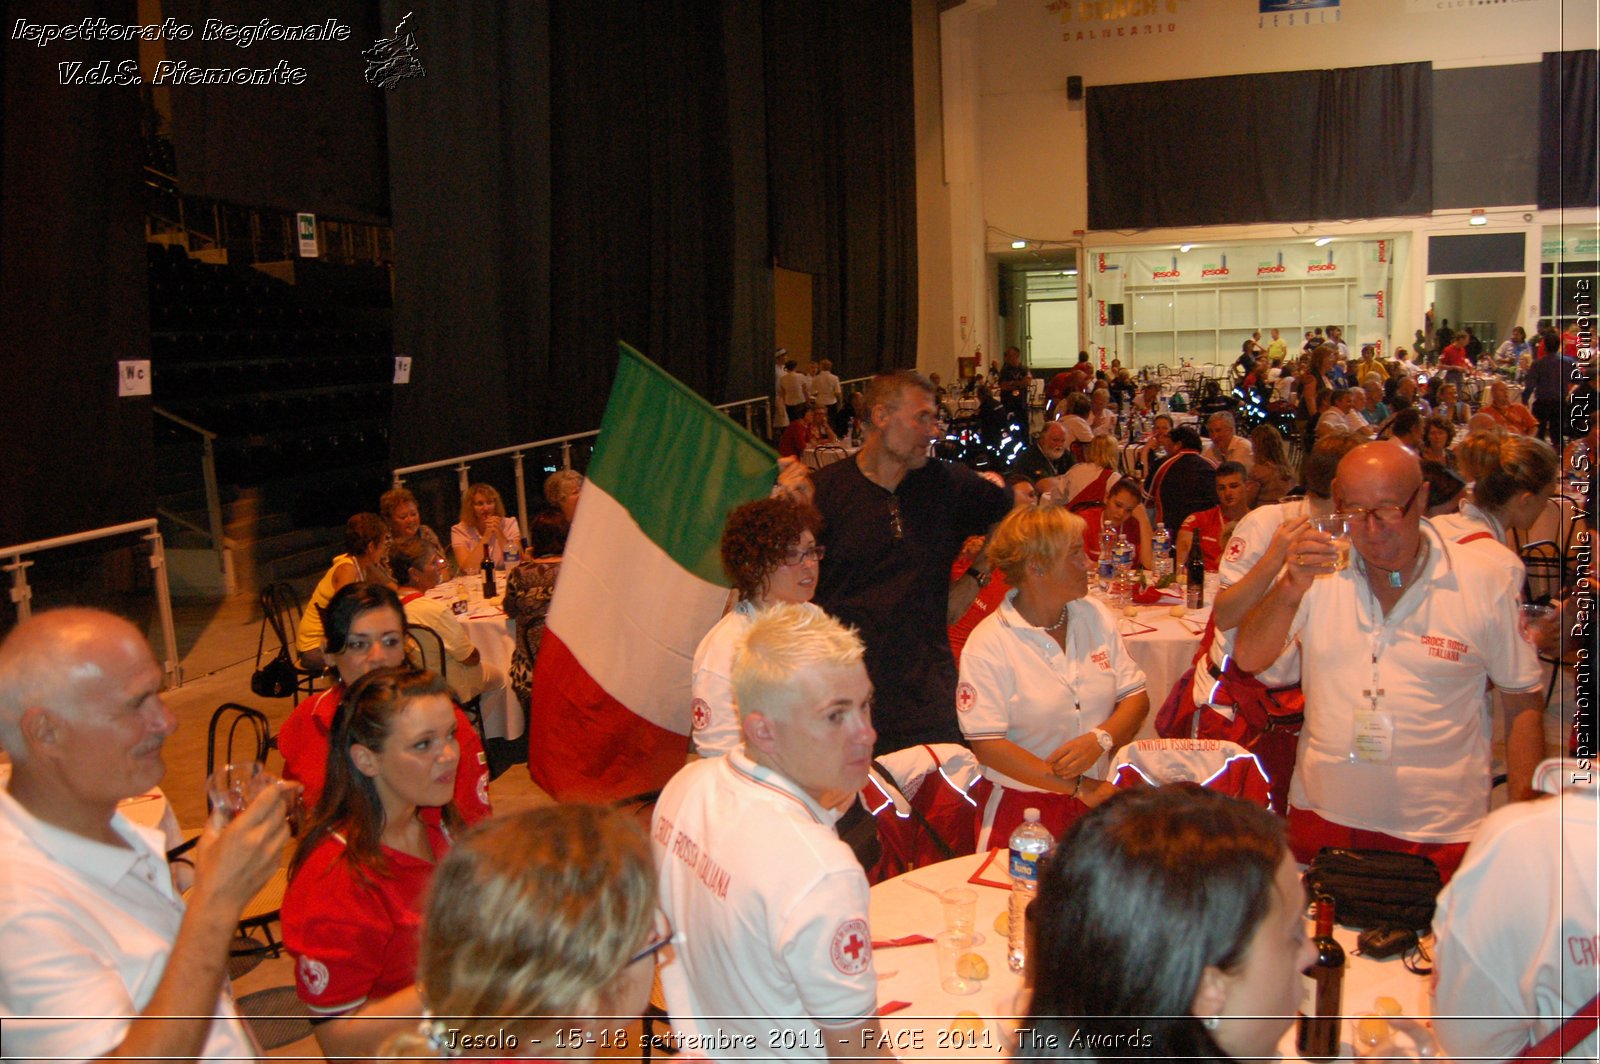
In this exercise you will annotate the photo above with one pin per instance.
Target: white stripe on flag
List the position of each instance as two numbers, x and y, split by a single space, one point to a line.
629 613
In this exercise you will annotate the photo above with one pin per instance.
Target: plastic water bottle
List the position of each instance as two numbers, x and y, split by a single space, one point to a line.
1122 581
1030 844
1161 549
1108 557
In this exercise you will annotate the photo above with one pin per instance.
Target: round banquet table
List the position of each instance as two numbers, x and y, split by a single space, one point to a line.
494 635
1163 646
910 974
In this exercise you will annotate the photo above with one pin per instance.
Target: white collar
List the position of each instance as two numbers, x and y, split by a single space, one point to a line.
97 860
740 763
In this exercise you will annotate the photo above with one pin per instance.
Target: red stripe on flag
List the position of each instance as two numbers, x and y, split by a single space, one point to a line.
583 744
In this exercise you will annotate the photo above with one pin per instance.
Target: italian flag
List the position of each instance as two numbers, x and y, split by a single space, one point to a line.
641 582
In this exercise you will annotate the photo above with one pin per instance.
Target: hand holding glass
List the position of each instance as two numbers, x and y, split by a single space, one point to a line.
232 787
1337 528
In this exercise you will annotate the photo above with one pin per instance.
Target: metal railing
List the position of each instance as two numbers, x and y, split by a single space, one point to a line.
22 594
463 463
208 471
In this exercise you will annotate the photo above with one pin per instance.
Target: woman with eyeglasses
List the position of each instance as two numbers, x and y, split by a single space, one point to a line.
1048 689
364 628
420 568
770 552
384 820
540 937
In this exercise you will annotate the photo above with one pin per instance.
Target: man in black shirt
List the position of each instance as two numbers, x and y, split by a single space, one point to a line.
1046 456
894 521
1186 483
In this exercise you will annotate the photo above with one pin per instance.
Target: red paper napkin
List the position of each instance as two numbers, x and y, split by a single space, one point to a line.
987 877
892 1006
904 940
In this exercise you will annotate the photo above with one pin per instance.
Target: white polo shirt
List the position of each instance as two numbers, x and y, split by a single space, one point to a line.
1251 537
1239 450
1017 684
770 910
713 714
1516 929
1424 775
1466 528
85 933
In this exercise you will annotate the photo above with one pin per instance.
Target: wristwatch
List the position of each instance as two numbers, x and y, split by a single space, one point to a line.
1103 737
981 578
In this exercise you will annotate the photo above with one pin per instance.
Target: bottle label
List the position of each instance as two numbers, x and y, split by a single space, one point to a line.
1025 866
1308 995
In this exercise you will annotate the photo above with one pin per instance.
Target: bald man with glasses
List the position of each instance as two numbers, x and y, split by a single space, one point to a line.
1396 649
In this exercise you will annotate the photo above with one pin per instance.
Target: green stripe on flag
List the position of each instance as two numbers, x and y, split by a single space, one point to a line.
676 463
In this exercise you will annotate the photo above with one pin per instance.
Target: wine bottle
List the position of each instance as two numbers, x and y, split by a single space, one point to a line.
1195 570
1321 991
488 575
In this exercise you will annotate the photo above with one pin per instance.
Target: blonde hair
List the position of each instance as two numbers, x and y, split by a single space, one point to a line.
1505 465
1033 536
534 915
560 485
1102 452
781 642
469 518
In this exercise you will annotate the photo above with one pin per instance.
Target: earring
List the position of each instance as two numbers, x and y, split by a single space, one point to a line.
1210 1023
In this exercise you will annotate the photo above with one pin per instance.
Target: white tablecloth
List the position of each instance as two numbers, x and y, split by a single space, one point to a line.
494 636
911 973
1165 654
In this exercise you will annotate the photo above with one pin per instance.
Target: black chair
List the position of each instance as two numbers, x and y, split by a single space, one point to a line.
1545 570
246 736
427 652
280 611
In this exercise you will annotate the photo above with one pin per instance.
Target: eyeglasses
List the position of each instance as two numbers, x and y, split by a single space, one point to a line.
660 938
796 556
894 518
1386 515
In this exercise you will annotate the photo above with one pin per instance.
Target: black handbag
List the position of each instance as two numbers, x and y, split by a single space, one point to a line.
1375 888
277 678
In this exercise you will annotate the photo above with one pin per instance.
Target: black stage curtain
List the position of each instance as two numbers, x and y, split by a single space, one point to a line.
842 136
1482 153
1296 146
317 146
73 292
568 176
1567 134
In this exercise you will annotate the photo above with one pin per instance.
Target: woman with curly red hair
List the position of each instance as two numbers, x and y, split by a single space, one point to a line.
770 552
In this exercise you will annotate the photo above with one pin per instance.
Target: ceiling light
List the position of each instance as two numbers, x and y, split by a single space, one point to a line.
1071 273
1323 241
1185 247
1019 244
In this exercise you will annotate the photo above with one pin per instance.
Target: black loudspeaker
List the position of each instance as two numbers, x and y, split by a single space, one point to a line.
1074 88
1113 313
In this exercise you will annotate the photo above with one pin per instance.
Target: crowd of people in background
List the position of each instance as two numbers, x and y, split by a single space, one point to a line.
887 601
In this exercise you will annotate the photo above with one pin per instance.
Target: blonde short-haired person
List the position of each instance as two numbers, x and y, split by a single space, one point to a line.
1047 689
749 860
484 530
573 941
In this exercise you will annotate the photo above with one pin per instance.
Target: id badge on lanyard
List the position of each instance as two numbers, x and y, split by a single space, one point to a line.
1372 729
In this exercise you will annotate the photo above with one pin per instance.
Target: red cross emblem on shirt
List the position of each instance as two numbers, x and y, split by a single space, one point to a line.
852 947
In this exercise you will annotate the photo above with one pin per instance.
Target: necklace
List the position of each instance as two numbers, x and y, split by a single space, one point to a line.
1061 622
1395 579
